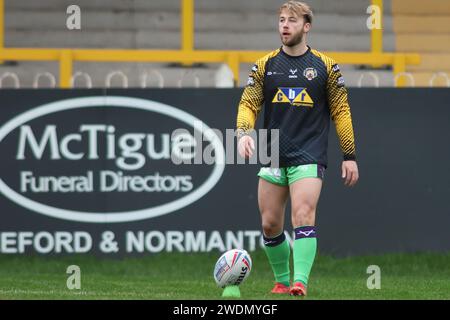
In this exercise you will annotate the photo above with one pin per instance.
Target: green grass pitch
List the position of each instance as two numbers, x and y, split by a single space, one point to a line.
189 276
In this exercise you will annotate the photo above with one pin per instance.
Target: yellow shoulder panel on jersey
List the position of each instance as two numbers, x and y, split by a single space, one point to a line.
339 106
253 95
329 62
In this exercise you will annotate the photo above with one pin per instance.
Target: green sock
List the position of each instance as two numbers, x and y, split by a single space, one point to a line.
305 247
278 251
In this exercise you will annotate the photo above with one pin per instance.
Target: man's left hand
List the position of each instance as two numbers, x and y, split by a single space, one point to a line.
350 172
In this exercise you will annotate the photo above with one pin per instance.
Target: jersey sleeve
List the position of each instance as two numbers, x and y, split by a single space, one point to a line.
340 110
252 98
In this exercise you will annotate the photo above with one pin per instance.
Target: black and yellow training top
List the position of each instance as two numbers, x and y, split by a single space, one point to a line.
299 95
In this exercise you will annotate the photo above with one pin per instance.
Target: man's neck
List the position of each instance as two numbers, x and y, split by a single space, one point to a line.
296 50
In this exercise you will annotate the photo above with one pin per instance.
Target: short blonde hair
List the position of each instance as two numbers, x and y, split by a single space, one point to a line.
301 9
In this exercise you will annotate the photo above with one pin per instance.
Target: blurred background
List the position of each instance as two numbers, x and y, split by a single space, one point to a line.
213 43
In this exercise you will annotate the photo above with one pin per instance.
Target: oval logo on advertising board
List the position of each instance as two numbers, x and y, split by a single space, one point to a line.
107 159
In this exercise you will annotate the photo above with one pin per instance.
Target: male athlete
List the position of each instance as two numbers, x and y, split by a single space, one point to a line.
300 89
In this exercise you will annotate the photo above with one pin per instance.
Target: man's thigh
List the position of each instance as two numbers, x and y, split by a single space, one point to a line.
272 201
305 194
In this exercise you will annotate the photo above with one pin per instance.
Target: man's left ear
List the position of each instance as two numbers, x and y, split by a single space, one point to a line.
307 27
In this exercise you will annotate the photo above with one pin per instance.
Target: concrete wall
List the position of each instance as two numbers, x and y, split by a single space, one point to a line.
155 24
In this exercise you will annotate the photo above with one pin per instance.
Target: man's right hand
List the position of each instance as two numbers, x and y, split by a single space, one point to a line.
246 146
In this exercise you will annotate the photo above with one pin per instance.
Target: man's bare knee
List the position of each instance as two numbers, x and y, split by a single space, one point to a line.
303 214
271 228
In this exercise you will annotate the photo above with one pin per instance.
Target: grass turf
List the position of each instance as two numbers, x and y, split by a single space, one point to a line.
189 276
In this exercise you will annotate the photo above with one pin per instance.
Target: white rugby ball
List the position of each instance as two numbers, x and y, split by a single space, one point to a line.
232 268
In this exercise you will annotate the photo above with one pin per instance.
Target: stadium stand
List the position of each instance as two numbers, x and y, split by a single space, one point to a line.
219 25
424 29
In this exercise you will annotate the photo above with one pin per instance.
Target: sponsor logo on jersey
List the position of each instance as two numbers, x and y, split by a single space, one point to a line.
340 82
255 68
294 96
269 73
292 74
310 73
251 81
335 68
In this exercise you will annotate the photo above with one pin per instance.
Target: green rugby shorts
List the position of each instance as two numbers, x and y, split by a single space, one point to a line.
288 175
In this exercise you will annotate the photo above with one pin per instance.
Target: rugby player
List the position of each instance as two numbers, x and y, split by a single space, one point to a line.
300 90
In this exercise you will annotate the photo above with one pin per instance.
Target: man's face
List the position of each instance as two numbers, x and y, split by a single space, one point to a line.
292 28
